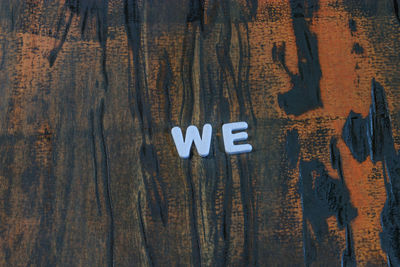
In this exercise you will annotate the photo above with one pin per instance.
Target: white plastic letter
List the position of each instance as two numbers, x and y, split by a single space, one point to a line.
230 138
192 134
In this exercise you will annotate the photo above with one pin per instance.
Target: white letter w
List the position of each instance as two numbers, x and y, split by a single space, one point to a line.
192 134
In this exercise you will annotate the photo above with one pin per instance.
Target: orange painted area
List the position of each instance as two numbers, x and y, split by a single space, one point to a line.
345 86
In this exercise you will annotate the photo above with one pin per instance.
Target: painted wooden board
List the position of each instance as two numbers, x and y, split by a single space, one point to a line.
89 171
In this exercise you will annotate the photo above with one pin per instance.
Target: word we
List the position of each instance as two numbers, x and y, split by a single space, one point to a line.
203 142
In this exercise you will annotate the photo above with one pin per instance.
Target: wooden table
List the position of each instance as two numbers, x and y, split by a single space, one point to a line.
89 93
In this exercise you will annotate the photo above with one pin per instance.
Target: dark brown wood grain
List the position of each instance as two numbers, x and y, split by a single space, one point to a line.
90 90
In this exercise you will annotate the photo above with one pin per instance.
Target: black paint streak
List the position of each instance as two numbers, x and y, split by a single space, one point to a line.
147 248
164 82
292 148
227 216
222 257
290 158
40 254
215 108
85 9
368 7
372 135
4 47
102 32
348 257
305 93
243 87
196 253
194 21
323 196
150 165
196 12
7 157
54 52
355 127
352 26
236 83
237 86
376 131
139 106
357 49
106 185
69 146
138 98
396 9
94 154
186 66
240 86
44 251
250 212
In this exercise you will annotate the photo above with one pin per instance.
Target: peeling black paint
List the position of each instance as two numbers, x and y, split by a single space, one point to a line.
376 131
354 128
373 132
323 196
305 92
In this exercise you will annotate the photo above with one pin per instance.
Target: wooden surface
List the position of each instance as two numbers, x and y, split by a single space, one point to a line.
89 173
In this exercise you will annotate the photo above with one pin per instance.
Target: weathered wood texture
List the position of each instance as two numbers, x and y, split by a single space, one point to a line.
90 89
